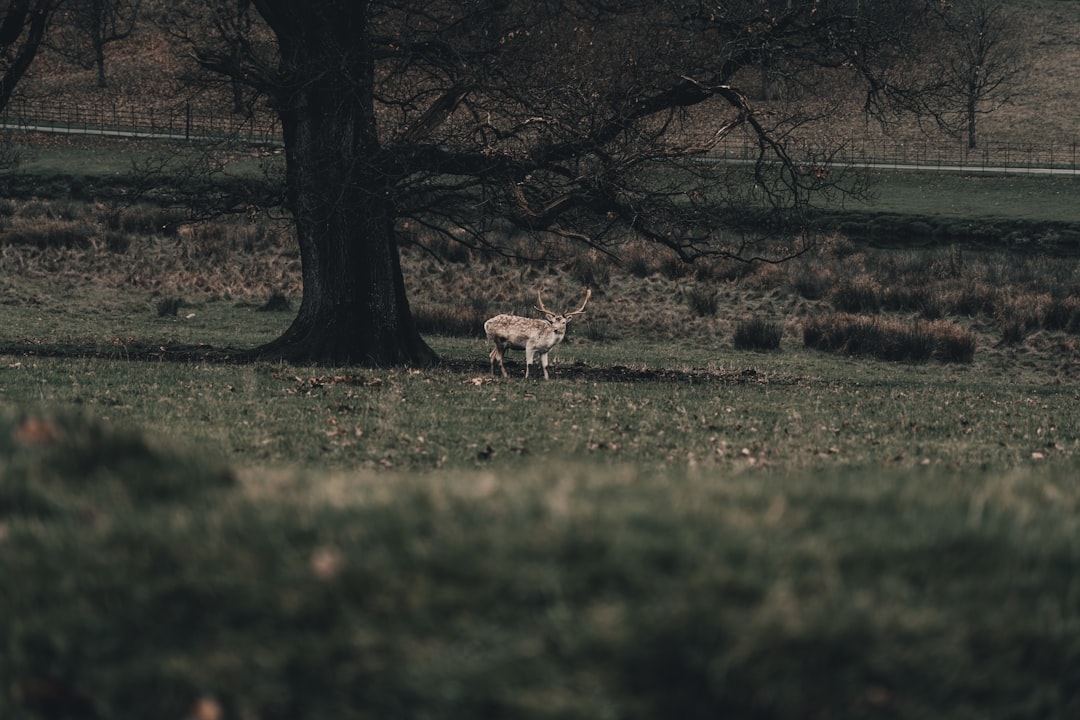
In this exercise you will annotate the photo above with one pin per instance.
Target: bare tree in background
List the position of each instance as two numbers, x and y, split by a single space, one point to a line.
580 119
85 27
23 24
233 23
982 58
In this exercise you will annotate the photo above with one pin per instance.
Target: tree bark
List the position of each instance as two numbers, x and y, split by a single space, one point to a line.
354 309
339 190
971 123
971 105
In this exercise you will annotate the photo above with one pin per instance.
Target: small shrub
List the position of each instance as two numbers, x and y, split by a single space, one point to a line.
813 282
703 301
169 307
932 307
892 340
598 330
277 302
714 270
455 252
638 265
117 242
1062 314
952 342
45 234
1013 332
951 265
764 276
858 295
673 268
973 299
142 220
757 334
591 269
903 297
204 241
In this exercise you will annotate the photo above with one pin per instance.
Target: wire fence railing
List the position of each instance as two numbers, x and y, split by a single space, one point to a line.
1058 158
185 122
179 123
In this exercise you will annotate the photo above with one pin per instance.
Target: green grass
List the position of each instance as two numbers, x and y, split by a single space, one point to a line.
971 196
83 158
945 194
796 410
567 588
670 527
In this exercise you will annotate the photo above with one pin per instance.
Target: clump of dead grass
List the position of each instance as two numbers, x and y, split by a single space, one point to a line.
757 334
890 339
703 300
858 294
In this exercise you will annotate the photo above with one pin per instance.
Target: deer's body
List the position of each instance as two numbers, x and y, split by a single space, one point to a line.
532 335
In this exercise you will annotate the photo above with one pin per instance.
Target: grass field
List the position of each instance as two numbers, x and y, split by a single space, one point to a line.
670 527
973 196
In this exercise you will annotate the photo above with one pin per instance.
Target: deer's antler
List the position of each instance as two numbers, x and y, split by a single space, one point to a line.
541 307
588 294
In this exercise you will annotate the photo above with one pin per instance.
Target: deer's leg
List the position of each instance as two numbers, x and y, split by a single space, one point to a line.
529 350
497 354
543 364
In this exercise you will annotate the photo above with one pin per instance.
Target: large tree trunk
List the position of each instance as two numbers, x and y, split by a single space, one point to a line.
354 308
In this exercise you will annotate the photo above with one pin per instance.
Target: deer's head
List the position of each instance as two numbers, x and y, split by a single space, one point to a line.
558 321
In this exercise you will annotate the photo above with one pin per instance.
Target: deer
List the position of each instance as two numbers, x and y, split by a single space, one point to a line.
532 335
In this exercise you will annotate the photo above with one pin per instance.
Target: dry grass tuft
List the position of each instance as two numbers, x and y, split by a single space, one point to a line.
859 294
890 339
703 300
757 334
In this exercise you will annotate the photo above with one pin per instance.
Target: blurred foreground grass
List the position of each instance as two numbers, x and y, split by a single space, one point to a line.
142 581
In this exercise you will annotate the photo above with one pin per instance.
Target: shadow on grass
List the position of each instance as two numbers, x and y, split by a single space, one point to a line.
576 372
583 372
135 352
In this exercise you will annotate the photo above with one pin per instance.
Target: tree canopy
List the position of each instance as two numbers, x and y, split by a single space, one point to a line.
587 119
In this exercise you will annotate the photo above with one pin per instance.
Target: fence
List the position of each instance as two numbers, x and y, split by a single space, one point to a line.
1061 158
183 122
177 123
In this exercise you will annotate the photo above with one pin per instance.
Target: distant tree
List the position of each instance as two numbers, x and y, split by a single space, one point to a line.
580 119
23 24
982 56
86 27
233 23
